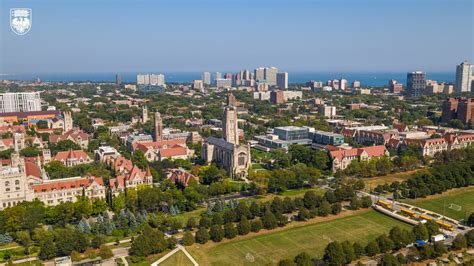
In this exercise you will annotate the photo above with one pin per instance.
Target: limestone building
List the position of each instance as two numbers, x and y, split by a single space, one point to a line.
226 152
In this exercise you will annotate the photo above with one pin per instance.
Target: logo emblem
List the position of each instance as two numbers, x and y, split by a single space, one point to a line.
20 20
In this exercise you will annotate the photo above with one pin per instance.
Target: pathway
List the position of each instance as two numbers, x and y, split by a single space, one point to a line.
178 248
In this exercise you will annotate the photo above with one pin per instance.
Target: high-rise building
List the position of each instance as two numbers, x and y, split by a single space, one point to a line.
218 76
228 75
158 80
415 83
343 84
118 79
394 86
151 79
270 75
198 84
20 102
158 127
206 78
259 74
282 80
464 77
458 108
327 111
355 84
335 84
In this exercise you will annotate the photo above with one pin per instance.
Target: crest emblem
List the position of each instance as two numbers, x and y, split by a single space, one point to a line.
20 20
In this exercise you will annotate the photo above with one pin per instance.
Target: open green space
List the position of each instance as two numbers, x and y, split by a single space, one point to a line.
270 247
178 258
447 203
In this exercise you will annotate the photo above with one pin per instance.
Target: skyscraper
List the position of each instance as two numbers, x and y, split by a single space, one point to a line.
259 74
270 75
118 79
282 80
206 78
218 76
464 77
343 84
415 83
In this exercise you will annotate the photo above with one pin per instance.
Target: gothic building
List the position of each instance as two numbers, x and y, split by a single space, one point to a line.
226 152
158 127
68 124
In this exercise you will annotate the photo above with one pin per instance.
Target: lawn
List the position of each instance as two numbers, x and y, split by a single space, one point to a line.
178 258
371 183
440 203
270 247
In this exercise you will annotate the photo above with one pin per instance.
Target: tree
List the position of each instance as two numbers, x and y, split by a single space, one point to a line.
349 252
420 231
216 233
191 223
389 260
211 174
324 209
334 254
399 237
230 231
47 248
229 216
205 222
269 220
257 225
98 240
439 248
459 242
202 235
372 248
358 250
470 220
188 238
242 210
148 242
30 152
303 259
384 243
255 209
243 227
303 214
105 252
336 208
470 238
427 252
356 203
432 227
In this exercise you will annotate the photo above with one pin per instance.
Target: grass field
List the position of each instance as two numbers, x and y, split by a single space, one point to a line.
372 182
178 258
440 203
270 247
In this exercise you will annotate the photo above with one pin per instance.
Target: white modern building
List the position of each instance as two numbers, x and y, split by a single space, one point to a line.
464 77
206 78
20 102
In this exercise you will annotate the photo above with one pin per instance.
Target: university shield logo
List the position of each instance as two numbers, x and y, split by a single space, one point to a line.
20 20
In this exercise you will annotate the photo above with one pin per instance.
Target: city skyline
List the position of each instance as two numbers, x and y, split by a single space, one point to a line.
103 36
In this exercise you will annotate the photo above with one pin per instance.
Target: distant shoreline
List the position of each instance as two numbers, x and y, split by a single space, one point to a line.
366 78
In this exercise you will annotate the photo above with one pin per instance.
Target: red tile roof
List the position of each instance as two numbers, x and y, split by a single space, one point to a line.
174 151
32 169
71 154
181 176
372 151
67 184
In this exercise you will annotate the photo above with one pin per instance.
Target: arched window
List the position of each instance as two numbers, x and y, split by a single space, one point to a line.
242 158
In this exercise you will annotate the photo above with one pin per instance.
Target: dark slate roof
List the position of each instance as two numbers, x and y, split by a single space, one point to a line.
220 142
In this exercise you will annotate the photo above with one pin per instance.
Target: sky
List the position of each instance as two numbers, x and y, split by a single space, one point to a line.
87 36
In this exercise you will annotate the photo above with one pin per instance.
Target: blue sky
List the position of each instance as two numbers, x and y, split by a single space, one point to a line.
70 36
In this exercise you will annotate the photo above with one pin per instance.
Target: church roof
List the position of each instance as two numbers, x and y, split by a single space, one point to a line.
220 142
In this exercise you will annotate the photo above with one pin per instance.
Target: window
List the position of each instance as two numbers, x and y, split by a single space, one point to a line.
17 182
241 158
7 183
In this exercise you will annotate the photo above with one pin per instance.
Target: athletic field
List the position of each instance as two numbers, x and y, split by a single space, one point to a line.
269 247
455 203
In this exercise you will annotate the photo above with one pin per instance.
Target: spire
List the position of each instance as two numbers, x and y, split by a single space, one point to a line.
231 101
148 172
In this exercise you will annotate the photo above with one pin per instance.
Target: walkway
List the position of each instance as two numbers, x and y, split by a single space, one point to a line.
178 248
